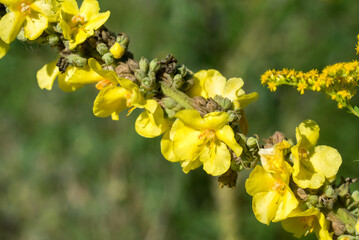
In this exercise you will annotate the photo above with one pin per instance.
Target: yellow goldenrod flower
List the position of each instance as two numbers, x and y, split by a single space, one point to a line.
272 86
301 87
33 15
210 83
194 141
273 200
3 48
79 24
47 75
304 222
117 94
313 164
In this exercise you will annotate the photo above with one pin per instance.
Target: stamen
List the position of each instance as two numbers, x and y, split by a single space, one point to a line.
104 83
78 19
25 8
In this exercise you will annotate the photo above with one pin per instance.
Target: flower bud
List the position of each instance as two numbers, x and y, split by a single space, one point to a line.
53 39
102 48
313 199
233 116
177 81
108 58
123 40
117 50
182 70
329 191
355 195
80 62
225 103
143 64
169 103
252 142
58 28
154 66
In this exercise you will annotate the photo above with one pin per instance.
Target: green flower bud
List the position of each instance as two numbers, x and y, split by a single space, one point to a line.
108 58
252 142
182 70
232 116
313 199
350 229
154 66
102 48
225 103
144 64
58 28
140 75
80 62
147 82
53 39
123 40
329 191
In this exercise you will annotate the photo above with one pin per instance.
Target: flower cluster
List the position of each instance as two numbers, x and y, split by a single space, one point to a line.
339 81
286 168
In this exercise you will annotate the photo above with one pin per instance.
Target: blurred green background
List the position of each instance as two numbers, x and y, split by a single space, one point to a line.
65 174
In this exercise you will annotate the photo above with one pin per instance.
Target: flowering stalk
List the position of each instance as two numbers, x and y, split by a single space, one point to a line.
200 115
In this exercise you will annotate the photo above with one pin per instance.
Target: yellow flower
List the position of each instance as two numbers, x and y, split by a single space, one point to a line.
304 222
273 200
357 227
210 83
272 159
117 50
33 15
79 24
117 94
313 164
3 48
47 75
194 141
302 85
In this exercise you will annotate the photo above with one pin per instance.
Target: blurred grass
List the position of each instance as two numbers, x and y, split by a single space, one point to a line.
67 175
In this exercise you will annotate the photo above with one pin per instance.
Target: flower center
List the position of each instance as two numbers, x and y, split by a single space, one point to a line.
78 19
104 83
279 186
25 8
303 153
207 134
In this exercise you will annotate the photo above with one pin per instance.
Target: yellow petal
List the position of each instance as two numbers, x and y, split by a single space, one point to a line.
215 120
245 100
89 8
10 25
259 181
187 144
287 204
48 8
190 165
226 135
117 50
96 21
70 7
3 48
110 100
326 160
308 131
85 76
323 233
214 84
47 75
232 87
191 118
216 158
167 148
265 205
10 2
79 37
304 174
35 24
197 88
151 124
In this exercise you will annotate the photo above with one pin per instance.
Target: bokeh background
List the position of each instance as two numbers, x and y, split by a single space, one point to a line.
65 174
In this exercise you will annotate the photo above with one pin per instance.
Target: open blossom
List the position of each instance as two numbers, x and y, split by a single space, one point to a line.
79 24
47 75
313 164
194 141
32 15
210 83
273 200
301 223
